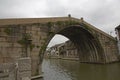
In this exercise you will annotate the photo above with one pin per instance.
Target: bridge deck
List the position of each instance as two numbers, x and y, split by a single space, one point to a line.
16 21
31 20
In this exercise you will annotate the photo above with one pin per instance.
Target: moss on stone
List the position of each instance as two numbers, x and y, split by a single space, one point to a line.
8 31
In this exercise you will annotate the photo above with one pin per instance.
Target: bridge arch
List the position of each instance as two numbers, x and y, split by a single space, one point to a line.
88 45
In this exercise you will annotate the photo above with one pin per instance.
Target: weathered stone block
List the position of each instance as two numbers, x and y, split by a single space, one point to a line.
24 64
24 68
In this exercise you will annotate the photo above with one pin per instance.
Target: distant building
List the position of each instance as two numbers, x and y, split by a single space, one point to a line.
63 50
71 50
55 51
117 29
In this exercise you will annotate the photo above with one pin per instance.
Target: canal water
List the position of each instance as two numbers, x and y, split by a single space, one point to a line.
56 69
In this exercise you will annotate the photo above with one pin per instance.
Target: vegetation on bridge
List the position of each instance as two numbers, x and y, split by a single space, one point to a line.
25 41
8 31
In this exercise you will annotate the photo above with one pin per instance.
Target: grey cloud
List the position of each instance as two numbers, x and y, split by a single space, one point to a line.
55 8
106 16
20 8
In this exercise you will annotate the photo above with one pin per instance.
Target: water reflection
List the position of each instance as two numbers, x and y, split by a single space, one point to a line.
72 70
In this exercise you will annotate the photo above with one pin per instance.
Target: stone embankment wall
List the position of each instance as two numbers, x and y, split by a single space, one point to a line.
7 71
20 70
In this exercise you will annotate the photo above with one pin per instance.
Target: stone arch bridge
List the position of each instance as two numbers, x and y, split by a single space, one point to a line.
29 37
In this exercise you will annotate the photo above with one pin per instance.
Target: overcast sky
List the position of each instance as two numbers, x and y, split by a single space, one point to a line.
104 14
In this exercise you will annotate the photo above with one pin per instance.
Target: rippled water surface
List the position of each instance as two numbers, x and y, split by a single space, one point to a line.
73 70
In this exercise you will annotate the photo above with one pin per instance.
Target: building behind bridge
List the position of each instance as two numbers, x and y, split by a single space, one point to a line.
117 29
65 50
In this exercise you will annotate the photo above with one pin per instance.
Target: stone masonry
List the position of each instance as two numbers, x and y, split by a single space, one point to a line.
29 37
19 70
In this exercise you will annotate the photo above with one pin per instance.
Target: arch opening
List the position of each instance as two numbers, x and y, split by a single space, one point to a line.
88 46
57 39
